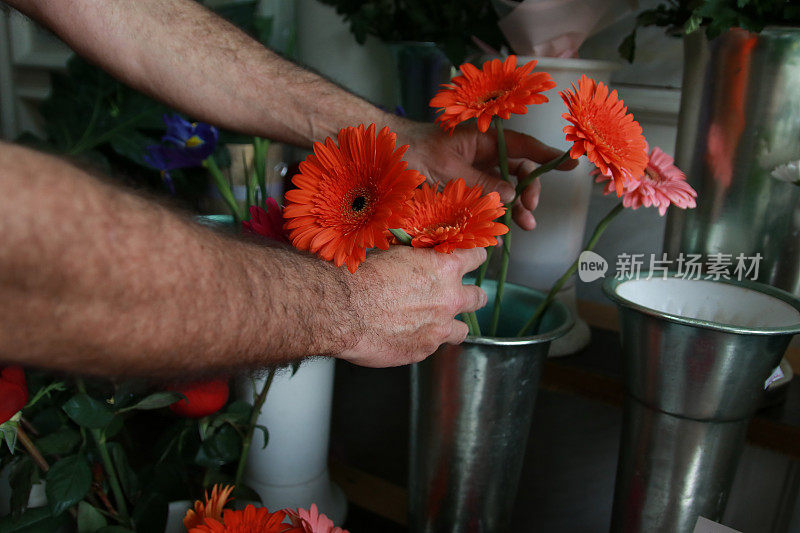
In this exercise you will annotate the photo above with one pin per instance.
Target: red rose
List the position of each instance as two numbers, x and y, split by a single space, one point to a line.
202 398
13 391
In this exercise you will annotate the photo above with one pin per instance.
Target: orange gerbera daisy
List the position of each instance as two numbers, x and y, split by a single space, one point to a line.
604 130
458 217
349 195
251 520
212 508
499 88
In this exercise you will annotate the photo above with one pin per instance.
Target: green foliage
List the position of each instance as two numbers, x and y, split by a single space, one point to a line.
60 442
681 17
448 23
88 412
21 479
156 400
68 482
38 520
89 519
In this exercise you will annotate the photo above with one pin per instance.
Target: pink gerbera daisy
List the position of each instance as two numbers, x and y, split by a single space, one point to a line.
662 185
312 521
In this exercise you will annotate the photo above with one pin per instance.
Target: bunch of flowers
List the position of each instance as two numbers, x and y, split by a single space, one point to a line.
210 516
599 128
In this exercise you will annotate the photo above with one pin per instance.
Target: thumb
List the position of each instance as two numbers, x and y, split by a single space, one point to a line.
472 176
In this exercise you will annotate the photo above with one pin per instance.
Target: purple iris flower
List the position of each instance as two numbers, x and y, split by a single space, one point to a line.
185 144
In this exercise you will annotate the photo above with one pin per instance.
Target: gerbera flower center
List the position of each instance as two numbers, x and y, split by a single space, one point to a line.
357 203
653 175
489 97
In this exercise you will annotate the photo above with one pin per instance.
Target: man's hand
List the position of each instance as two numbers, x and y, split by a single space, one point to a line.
472 155
406 299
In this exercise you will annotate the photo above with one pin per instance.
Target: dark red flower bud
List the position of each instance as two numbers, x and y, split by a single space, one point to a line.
13 391
202 398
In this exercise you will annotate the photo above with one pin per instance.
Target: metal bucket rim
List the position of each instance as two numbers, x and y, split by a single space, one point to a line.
547 336
610 289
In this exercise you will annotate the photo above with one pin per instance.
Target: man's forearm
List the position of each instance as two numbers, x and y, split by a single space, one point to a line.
184 55
97 280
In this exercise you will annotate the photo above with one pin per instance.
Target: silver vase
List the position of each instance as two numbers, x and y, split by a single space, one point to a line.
740 120
696 356
471 409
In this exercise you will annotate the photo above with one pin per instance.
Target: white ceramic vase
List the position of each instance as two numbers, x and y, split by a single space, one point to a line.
292 471
541 256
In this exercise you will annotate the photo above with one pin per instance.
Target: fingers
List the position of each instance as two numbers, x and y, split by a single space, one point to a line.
470 259
489 183
523 217
472 298
458 333
522 145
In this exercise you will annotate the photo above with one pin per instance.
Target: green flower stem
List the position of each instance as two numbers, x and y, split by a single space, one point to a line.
224 189
401 236
484 266
501 278
471 320
547 167
502 154
248 438
502 157
108 465
533 322
250 187
260 147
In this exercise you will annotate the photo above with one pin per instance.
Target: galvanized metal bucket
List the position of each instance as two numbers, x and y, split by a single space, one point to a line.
696 357
471 409
739 121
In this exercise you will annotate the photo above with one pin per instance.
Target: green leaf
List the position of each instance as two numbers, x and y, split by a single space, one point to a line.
45 391
223 447
150 513
239 410
132 145
68 481
127 477
89 519
117 529
37 520
266 434
88 412
692 24
113 428
156 401
21 481
8 429
60 442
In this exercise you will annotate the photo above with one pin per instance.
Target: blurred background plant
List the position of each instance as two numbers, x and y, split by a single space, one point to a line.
105 124
682 17
448 23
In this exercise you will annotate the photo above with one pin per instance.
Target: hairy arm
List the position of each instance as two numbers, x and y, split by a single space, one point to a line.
181 53
97 280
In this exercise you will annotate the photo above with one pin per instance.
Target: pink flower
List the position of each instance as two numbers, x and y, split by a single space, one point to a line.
267 223
312 521
662 185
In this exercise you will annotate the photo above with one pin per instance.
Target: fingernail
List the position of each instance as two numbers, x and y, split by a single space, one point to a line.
506 192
